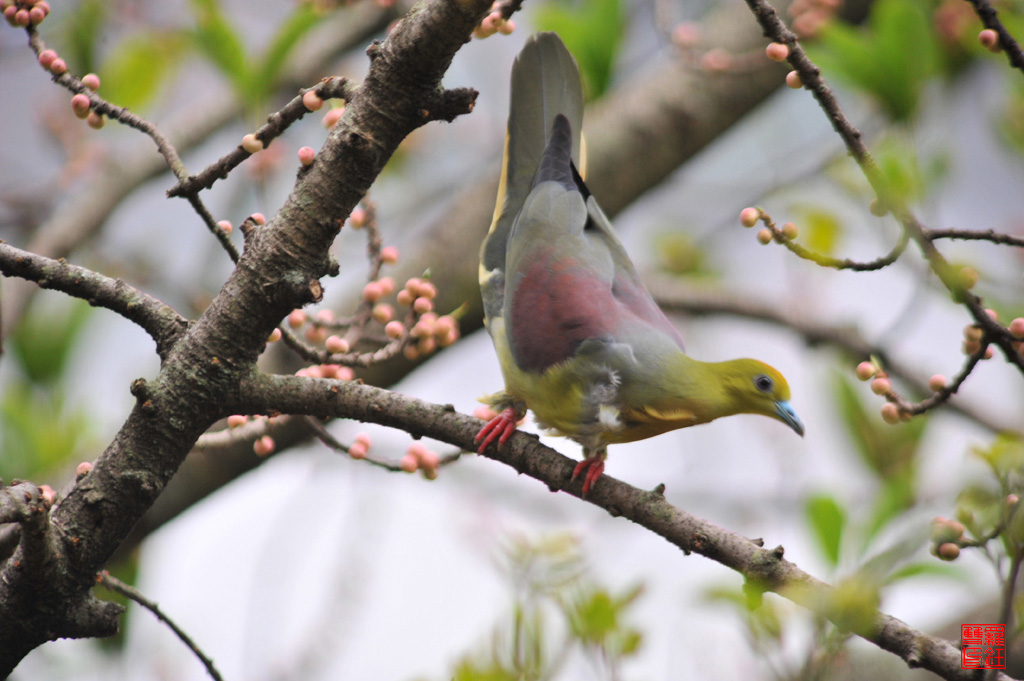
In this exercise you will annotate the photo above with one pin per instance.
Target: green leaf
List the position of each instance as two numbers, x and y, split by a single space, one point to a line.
217 39
592 30
828 521
137 67
84 27
890 58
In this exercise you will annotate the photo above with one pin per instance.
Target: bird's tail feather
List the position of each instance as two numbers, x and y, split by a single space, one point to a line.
545 83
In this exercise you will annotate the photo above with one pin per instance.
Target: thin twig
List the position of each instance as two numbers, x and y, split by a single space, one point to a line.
810 75
967 235
117 113
329 88
988 16
117 586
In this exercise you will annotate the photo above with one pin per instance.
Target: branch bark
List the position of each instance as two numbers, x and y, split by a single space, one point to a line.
201 374
764 569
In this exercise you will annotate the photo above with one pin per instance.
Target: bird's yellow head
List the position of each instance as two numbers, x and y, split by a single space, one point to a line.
753 387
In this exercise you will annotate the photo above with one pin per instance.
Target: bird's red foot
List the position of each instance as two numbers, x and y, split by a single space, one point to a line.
593 467
499 428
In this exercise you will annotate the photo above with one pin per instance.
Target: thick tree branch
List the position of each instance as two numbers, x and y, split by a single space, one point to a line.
200 377
158 319
81 216
764 568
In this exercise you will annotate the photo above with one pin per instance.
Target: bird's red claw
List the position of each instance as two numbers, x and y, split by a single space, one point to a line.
499 428
593 467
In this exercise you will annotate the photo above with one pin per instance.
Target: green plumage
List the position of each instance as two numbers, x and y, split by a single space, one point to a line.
579 339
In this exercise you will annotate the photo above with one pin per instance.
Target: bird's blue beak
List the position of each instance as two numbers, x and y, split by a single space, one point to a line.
786 414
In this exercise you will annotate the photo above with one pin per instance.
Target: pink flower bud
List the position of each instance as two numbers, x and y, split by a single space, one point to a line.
275 336
91 81
307 155
336 345
225 226
394 329
383 313
264 446
80 106
793 80
372 292
357 450
332 117
252 144
764 236
296 318
937 382
95 121
428 290
409 463
404 297
387 284
881 386
236 420
46 57
311 100
989 40
389 254
357 218
422 305
259 218
83 469
749 216
890 413
777 51
364 438
57 66
1017 327
865 370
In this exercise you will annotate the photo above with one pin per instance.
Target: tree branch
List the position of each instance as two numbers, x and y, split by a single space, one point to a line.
765 568
158 319
673 297
200 377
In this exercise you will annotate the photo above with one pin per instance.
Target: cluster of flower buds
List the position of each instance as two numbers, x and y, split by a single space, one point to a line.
24 13
880 385
81 106
418 457
493 23
750 216
947 536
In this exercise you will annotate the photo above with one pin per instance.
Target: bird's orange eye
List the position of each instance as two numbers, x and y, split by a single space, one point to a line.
763 383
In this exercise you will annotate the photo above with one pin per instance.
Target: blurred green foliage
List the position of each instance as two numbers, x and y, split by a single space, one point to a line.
39 432
891 57
558 611
135 69
592 30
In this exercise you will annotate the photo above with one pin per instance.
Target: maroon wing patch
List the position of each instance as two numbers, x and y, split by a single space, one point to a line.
554 306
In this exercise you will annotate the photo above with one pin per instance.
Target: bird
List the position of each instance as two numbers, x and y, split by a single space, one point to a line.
580 340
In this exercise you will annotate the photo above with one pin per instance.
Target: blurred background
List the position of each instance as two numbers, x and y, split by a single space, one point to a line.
310 565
